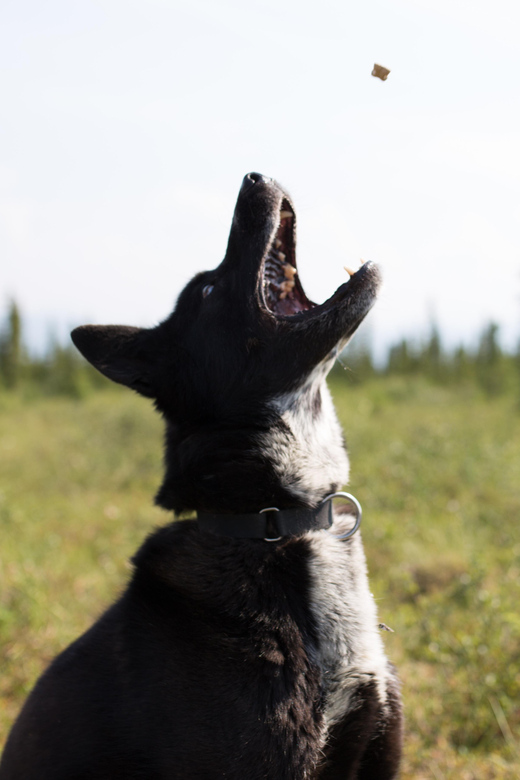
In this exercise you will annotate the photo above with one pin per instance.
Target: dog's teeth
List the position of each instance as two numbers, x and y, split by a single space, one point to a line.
281 256
349 270
285 214
287 286
282 296
289 271
277 243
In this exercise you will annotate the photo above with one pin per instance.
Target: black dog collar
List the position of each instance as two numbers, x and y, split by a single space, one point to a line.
272 524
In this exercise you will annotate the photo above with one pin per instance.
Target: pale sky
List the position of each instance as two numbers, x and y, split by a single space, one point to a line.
126 127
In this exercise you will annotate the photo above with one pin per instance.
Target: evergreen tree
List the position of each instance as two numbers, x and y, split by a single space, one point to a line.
11 351
463 365
400 358
490 365
432 355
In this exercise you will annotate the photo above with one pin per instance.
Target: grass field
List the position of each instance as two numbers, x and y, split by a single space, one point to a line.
438 474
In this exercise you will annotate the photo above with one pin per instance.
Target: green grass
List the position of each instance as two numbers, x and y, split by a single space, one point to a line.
438 474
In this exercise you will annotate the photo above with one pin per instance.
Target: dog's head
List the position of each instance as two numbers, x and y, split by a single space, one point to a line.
243 332
241 335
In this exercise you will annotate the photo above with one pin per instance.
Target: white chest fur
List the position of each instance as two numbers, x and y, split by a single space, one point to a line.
350 647
309 456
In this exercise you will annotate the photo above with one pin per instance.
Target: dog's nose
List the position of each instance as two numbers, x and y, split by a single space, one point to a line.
251 179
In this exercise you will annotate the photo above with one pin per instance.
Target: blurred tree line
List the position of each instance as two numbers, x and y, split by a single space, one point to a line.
62 370
487 365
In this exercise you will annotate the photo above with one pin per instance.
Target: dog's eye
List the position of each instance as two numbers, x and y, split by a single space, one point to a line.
207 290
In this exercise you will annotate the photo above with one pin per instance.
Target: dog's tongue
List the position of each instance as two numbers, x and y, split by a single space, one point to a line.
288 307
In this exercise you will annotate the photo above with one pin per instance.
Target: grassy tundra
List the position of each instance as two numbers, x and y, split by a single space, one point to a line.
437 471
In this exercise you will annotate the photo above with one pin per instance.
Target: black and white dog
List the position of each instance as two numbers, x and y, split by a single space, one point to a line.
246 645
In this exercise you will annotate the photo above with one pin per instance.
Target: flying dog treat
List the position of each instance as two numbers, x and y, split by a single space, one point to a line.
380 72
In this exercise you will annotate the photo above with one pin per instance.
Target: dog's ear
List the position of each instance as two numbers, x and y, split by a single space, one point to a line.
120 352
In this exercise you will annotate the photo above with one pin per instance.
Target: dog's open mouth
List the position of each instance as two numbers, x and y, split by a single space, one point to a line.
267 210
281 288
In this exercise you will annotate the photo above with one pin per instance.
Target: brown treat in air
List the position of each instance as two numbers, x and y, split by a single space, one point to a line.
380 72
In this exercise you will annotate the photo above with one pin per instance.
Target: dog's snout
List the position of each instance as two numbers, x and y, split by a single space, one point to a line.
250 179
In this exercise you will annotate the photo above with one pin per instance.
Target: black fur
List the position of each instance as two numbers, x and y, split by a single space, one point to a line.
366 744
209 664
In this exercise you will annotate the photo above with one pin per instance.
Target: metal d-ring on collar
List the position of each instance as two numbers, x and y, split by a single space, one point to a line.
352 499
270 509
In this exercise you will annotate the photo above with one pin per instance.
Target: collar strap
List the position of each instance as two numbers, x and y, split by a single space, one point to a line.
270 524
